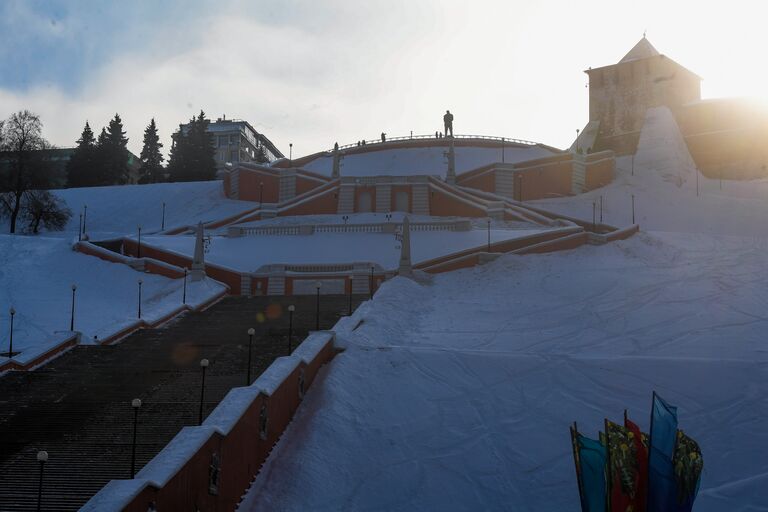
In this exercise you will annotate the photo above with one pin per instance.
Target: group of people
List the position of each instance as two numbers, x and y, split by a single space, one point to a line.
447 124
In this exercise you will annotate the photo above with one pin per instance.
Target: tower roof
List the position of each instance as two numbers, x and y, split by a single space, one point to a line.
642 50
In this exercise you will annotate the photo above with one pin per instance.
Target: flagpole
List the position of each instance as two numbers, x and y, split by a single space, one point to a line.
574 433
650 449
609 471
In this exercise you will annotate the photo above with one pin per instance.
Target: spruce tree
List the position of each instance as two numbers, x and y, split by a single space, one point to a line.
115 154
81 167
192 153
100 158
151 170
178 160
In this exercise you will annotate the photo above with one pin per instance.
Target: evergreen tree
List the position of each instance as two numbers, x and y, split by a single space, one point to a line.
151 170
81 167
192 154
114 152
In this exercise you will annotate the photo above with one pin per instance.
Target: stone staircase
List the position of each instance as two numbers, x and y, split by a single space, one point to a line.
77 407
420 199
346 199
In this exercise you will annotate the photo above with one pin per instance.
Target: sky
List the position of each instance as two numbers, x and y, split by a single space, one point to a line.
312 73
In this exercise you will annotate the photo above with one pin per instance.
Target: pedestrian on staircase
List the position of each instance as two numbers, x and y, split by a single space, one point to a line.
448 122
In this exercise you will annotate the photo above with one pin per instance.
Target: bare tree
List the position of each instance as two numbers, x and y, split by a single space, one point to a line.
26 167
42 207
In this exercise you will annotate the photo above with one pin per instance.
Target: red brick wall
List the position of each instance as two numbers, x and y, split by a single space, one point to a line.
250 189
600 173
324 203
393 199
440 203
482 181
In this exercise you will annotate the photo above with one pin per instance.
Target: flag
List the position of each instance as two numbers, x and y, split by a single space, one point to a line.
623 469
688 464
661 476
591 457
640 440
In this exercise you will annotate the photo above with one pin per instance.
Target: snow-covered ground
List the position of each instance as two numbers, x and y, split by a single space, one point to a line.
664 186
431 160
248 253
36 279
117 211
457 395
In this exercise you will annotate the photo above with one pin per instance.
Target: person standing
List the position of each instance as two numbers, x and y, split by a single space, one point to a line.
448 122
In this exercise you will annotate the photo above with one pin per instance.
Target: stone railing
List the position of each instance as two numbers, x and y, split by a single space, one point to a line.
380 227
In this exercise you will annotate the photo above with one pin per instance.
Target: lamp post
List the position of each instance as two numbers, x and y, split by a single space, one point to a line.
291 309
10 345
203 365
290 152
489 235
85 214
251 332
140 283
370 284
184 288
162 223
138 253
350 294
261 194
601 209
136 404
502 150
633 208
317 306
594 207
72 313
80 229
42 458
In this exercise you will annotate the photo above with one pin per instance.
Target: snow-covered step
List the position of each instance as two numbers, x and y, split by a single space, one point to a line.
276 285
579 175
505 182
287 187
346 199
234 184
420 200
361 284
383 198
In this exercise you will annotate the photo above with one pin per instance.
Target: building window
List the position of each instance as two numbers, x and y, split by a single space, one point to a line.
222 141
234 157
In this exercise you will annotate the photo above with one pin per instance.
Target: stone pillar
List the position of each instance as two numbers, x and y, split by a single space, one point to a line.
405 268
198 262
450 177
336 162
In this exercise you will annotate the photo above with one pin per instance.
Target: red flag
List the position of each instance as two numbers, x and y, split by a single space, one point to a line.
640 441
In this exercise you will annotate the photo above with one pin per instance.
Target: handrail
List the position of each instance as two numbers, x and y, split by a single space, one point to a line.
431 136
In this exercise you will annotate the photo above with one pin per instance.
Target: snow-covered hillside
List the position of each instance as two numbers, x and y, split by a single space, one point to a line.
431 160
36 279
457 395
116 211
664 186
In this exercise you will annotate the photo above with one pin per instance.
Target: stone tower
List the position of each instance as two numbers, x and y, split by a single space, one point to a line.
620 94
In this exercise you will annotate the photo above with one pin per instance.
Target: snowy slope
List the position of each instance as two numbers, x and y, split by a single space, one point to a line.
432 160
664 186
36 278
457 395
115 211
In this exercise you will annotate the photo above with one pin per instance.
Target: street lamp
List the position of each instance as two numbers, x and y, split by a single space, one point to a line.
162 224
370 284
80 229
136 404
251 332
502 150
291 309
290 153
350 295
203 365
184 292
72 314
317 304
42 458
10 347
489 235
140 283
85 214
138 253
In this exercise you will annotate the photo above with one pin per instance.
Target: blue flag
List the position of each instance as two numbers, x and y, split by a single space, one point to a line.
662 487
592 457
